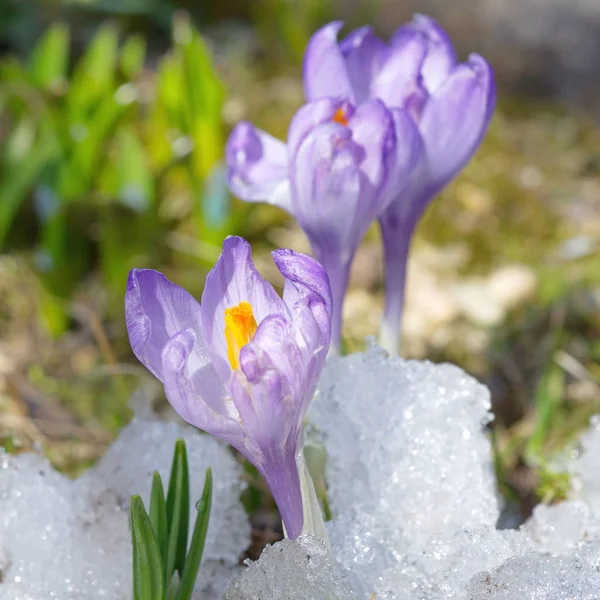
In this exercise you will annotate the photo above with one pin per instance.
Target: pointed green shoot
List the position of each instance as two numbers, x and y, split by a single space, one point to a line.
548 398
148 580
132 56
178 508
50 57
158 514
192 563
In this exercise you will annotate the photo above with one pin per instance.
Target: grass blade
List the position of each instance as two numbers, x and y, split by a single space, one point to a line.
548 397
132 56
178 510
158 514
18 177
94 75
134 178
148 580
172 587
50 57
192 563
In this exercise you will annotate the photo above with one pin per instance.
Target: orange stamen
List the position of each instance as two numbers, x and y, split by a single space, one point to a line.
340 117
240 327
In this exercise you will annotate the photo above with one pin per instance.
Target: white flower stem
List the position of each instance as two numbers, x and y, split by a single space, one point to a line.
313 515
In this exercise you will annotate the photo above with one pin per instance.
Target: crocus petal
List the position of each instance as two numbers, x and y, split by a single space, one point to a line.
155 310
274 436
327 186
399 82
324 69
180 375
306 282
363 52
281 476
232 280
257 166
410 154
259 404
440 58
275 338
456 117
373 129
309 116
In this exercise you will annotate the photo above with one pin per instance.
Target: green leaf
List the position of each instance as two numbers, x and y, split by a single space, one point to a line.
171 90
148 580
192 563
86 153
21 169
50 57
178 509
548 397
173 587
158 513
94 76
134 178
132 56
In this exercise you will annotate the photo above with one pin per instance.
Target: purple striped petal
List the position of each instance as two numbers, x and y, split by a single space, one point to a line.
399 82
155 310
257 166
306 283
327 185
309 116
232 280
363 52
275 337
456 118
274 436
193 392
440 58
324 69
307 294
373 129
410 153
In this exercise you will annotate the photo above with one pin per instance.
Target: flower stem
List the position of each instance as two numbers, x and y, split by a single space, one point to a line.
313 516
338 271
395 247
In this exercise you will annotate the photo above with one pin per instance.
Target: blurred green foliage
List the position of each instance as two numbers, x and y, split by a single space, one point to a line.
103 157
288 25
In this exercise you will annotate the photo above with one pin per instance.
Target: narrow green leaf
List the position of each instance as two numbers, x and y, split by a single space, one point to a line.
158 513
132 56
548 397
50 57
94 76
173 587
134 177
19 174
178 509
171 89
148 581
192 562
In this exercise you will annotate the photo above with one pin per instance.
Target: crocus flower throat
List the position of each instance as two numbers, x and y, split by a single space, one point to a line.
340 117
240 327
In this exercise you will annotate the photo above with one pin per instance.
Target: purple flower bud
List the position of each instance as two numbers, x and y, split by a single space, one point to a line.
450 102
336 175
242 364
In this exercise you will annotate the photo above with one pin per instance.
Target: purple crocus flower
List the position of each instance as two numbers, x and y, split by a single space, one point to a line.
243 363
336 175
450 102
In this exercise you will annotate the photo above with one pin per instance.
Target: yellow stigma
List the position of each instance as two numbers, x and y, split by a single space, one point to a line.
340 117
240 326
